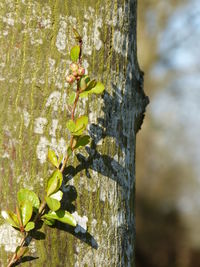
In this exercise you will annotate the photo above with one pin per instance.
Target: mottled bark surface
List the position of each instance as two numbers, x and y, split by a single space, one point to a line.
35 39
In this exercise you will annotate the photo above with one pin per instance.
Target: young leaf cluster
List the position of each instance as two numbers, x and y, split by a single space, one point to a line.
28 204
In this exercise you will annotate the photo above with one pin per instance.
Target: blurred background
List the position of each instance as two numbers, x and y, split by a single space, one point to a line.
168 146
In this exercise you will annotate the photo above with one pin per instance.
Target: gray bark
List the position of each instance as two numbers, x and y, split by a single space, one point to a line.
35 40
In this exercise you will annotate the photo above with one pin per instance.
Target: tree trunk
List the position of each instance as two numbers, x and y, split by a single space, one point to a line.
35 40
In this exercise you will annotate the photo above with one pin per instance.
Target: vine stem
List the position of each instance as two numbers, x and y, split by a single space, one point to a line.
14 258
72 138
42 207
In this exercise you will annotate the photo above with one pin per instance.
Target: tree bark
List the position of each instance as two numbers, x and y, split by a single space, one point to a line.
35 40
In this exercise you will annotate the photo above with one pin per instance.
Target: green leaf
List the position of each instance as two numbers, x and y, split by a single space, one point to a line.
52 203
87 78
49 222
91 85
84 94
19 216
30 226
54 182
81 123
79 126
82 141
86 90
53 158
71 125
62 216
25 194
98 89
71 98
58 195
93 88
26 211
10 217
84 82
79 132
74 53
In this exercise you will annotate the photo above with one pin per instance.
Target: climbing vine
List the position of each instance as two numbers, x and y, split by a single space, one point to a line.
30 210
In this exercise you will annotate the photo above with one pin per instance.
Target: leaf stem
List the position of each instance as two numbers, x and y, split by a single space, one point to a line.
72 117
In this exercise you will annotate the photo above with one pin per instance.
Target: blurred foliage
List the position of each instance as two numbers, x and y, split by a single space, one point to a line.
162 232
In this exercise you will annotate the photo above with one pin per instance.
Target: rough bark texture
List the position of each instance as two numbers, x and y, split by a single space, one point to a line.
35 39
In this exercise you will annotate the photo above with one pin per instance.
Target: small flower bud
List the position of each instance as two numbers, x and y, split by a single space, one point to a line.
70 79
81 71
75 73
74 67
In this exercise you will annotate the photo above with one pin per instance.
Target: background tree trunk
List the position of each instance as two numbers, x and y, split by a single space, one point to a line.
35 40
